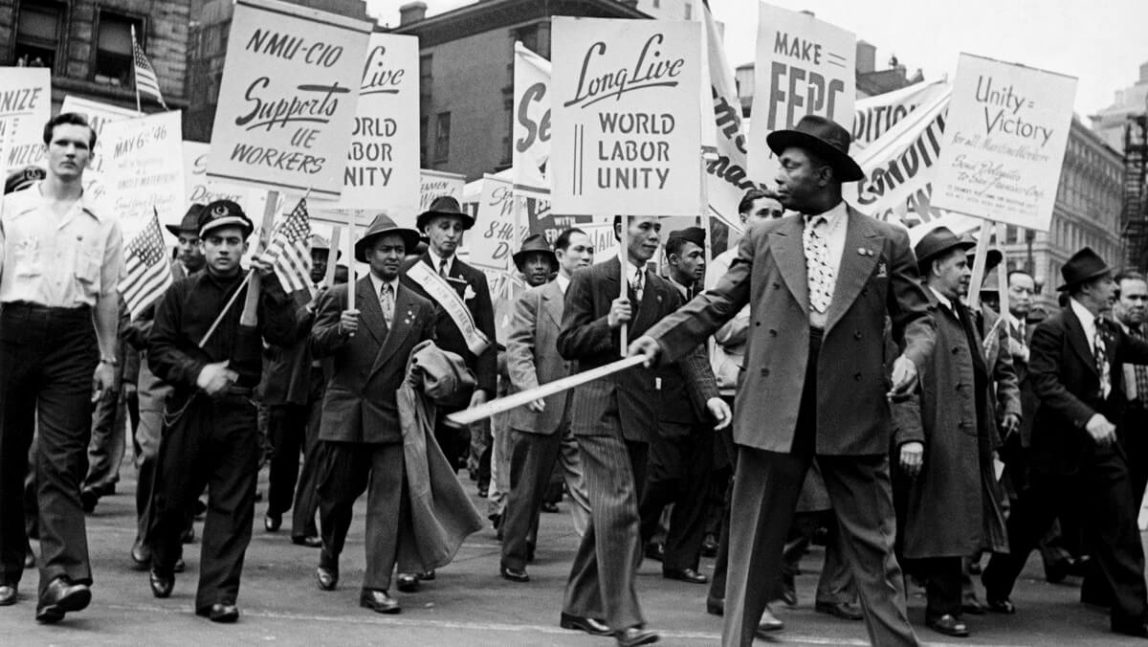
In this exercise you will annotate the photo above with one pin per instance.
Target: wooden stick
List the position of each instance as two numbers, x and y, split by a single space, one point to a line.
979 265
624 285
250 317
332 257
350 259
1002 273
230 302
501 405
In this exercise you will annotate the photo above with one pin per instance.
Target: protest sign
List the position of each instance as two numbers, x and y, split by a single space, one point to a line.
288 97
900 166
201 190
144 169
433 184
627 124
383 160
25 106
497 233
804 66
874 116
1004 143
99 115
726 177
531 119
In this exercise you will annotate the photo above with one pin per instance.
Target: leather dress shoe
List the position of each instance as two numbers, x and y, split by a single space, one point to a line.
408 583
141 556
684 575
378 601
769 622
1130 628
272 522
62 596
709 546
949 626
88 499
655 551
425 576
179 566
161 585
514 574
715 606
7 595
188 536
549 507
220 612
973 607
842 610
633 636
310 541
1057 571
589 625
789 595
327 578
1004 606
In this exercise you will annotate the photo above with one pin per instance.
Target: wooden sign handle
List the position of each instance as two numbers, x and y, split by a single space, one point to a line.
250 316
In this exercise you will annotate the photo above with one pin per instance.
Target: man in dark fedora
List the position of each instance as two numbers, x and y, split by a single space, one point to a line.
467 324
210 435
360 440
820 285
1075 460
949 502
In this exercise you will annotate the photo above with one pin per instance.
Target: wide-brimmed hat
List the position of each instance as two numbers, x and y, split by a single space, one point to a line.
23 178
382 224
224 213
535 244
826 138
937 242
190 222
444 205
318 241
1083 266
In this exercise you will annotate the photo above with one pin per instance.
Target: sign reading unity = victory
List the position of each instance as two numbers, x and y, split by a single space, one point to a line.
25 106
383 160
804 66
288 98
626 117
1004 143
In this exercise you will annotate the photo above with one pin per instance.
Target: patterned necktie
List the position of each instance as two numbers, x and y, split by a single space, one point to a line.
821 275
1136 383
442 269
387 303
636 285
1100 353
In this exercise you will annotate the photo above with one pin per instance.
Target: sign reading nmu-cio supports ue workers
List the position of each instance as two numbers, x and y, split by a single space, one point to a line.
626 117
1004 144
287 101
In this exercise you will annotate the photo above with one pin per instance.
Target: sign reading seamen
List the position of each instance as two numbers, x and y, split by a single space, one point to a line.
288 97
626 121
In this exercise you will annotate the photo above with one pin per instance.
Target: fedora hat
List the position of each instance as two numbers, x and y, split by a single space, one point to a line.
825 138
190 222
444 205
937 242
223 213
382 224
1083 266
535 244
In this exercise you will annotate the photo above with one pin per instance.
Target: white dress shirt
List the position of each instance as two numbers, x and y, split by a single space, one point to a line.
1087 322
837 220
437 261
563 282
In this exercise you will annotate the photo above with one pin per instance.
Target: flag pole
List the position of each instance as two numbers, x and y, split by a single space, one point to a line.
135 75
230 302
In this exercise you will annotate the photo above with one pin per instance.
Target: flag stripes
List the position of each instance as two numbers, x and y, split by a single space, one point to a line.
147 272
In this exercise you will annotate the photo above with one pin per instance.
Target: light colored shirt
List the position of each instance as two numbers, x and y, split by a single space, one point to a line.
1087 321
378 283
563 283
836 222
60 262
945 301
437 261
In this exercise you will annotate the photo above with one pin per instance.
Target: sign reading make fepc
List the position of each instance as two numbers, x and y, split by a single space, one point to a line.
25 106
383 160
288 96
804 66
1004 143
626 119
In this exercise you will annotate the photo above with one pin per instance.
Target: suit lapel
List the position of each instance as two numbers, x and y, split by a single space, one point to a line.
855 268
789 254
399 328
370 310
651 305
552 302
1079 342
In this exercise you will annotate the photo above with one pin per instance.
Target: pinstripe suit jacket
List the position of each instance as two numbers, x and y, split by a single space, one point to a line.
624 404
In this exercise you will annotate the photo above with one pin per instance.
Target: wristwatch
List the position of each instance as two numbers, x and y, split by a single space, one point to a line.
110 360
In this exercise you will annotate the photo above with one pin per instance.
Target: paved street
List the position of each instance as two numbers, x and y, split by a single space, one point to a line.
468 605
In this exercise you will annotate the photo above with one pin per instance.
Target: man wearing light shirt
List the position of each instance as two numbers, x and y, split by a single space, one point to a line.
61 261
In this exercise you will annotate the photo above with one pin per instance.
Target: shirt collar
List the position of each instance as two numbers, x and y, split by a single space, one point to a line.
437 261
944 300
563 282
833 216
378 284
633 270
86 202
1087 319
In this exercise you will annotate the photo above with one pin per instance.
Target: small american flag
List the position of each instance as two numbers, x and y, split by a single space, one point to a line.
289 250
147 273
146 80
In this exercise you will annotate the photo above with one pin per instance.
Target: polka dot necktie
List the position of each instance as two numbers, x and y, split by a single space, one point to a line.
1100 351
387 302
820 273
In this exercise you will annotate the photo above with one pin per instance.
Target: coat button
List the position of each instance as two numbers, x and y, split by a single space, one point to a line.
857 376
756 323
956 349
772 332
765 372
856 333
864 291
776 286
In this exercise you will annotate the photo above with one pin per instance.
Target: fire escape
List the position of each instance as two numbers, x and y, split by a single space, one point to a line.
1134 219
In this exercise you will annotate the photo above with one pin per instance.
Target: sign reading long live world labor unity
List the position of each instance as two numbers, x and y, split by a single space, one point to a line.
288 98
383 160
804 66
144 169
1005 141
626 117
25 106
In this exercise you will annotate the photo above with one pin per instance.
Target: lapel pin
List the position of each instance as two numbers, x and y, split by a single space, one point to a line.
862 251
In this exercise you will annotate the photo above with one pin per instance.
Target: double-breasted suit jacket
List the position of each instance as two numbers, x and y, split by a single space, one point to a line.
359 404
876 277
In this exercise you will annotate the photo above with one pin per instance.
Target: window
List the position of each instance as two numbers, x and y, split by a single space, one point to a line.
1011 235
424 134
38 34
425 73
442 138
689 11
114 48
529 37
